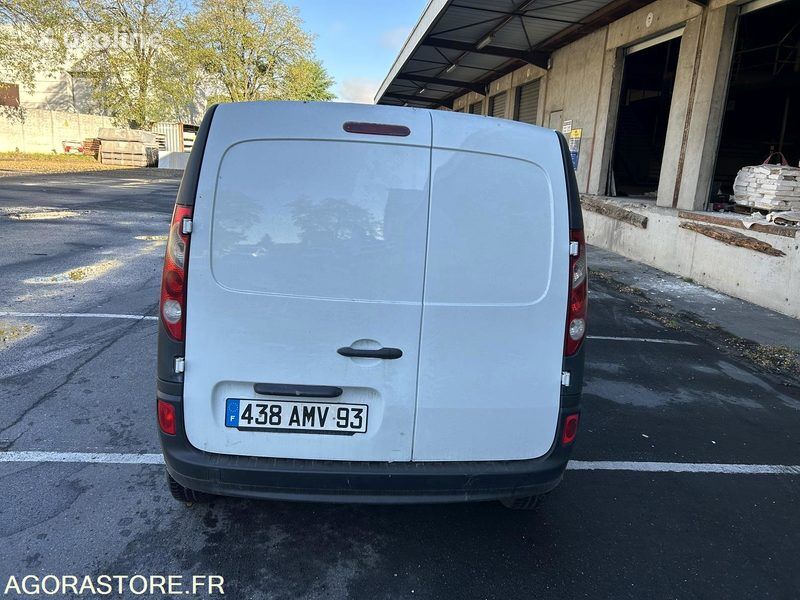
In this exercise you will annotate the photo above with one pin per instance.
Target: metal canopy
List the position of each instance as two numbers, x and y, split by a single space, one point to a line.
462 45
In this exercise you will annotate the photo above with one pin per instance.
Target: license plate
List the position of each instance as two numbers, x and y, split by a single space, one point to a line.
286 416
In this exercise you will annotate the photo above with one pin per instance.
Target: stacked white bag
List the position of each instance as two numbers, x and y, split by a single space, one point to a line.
768 187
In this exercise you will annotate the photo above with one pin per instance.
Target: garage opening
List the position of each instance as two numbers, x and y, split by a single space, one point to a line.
762 113
528 103
647 81
497 105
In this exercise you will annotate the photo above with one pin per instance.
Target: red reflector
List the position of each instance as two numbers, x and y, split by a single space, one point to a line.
166 417
376 129
570 429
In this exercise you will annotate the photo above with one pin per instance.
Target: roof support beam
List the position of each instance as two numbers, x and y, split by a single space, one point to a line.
466 85
535 58
603 16
518 13
421 99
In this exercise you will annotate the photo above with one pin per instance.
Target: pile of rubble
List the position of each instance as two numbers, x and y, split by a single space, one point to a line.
768 187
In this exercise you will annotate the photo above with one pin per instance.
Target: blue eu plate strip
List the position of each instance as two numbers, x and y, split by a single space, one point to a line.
232 412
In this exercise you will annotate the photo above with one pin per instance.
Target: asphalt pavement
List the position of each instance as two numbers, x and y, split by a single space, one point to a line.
662 386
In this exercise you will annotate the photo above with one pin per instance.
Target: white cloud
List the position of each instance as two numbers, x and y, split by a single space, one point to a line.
393 39
358 89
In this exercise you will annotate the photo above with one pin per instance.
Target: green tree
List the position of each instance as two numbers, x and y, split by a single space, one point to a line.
30 38
307 79
252 50
128 56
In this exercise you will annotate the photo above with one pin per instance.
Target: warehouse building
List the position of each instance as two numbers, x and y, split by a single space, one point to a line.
662 102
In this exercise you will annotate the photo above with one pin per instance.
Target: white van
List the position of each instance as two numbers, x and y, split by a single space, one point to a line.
371 304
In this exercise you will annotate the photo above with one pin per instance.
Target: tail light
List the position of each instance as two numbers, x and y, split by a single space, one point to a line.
173 279
578 288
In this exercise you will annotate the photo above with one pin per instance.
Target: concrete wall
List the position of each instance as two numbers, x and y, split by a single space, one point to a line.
706 106
172 160
44 130
59 91
769 281
573 90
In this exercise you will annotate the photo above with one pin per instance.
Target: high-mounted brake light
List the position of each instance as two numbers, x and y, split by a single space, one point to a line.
376 129
173 280
578 292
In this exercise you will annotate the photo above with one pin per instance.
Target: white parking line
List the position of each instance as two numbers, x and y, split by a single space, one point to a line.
78 315
574 465
639 339
82 457
669 467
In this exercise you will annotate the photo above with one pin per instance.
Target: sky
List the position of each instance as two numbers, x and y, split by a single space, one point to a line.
358 40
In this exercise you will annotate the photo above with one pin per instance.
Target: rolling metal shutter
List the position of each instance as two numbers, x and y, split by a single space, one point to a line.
528 102
476 108
497 105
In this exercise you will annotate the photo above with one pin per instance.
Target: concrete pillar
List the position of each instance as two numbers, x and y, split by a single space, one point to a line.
540 117
511 102
678 111
607 109
706 108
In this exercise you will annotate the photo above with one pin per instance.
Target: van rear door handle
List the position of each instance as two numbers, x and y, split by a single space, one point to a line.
385 353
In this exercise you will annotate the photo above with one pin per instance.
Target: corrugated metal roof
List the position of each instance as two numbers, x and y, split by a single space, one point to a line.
442 59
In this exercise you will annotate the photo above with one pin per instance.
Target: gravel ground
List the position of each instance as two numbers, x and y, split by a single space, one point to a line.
17 163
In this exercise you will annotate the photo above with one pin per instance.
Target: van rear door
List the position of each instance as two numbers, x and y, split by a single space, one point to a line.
308 240
495 292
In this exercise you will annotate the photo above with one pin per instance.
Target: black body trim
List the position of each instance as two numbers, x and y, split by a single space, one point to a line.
362 481
575 366
188 189
297 391
573 195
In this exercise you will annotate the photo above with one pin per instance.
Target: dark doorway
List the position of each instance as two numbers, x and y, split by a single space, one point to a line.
647 81
762 112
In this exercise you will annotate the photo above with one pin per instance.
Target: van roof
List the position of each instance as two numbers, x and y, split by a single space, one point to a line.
325 120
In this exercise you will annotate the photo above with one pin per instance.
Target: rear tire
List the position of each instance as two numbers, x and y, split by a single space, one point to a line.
184 494
525 503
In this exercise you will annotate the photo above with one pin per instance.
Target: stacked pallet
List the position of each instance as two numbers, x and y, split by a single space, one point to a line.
768 187
128 148
91 147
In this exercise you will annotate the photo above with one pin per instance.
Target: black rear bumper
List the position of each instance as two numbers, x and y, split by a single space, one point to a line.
366 482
